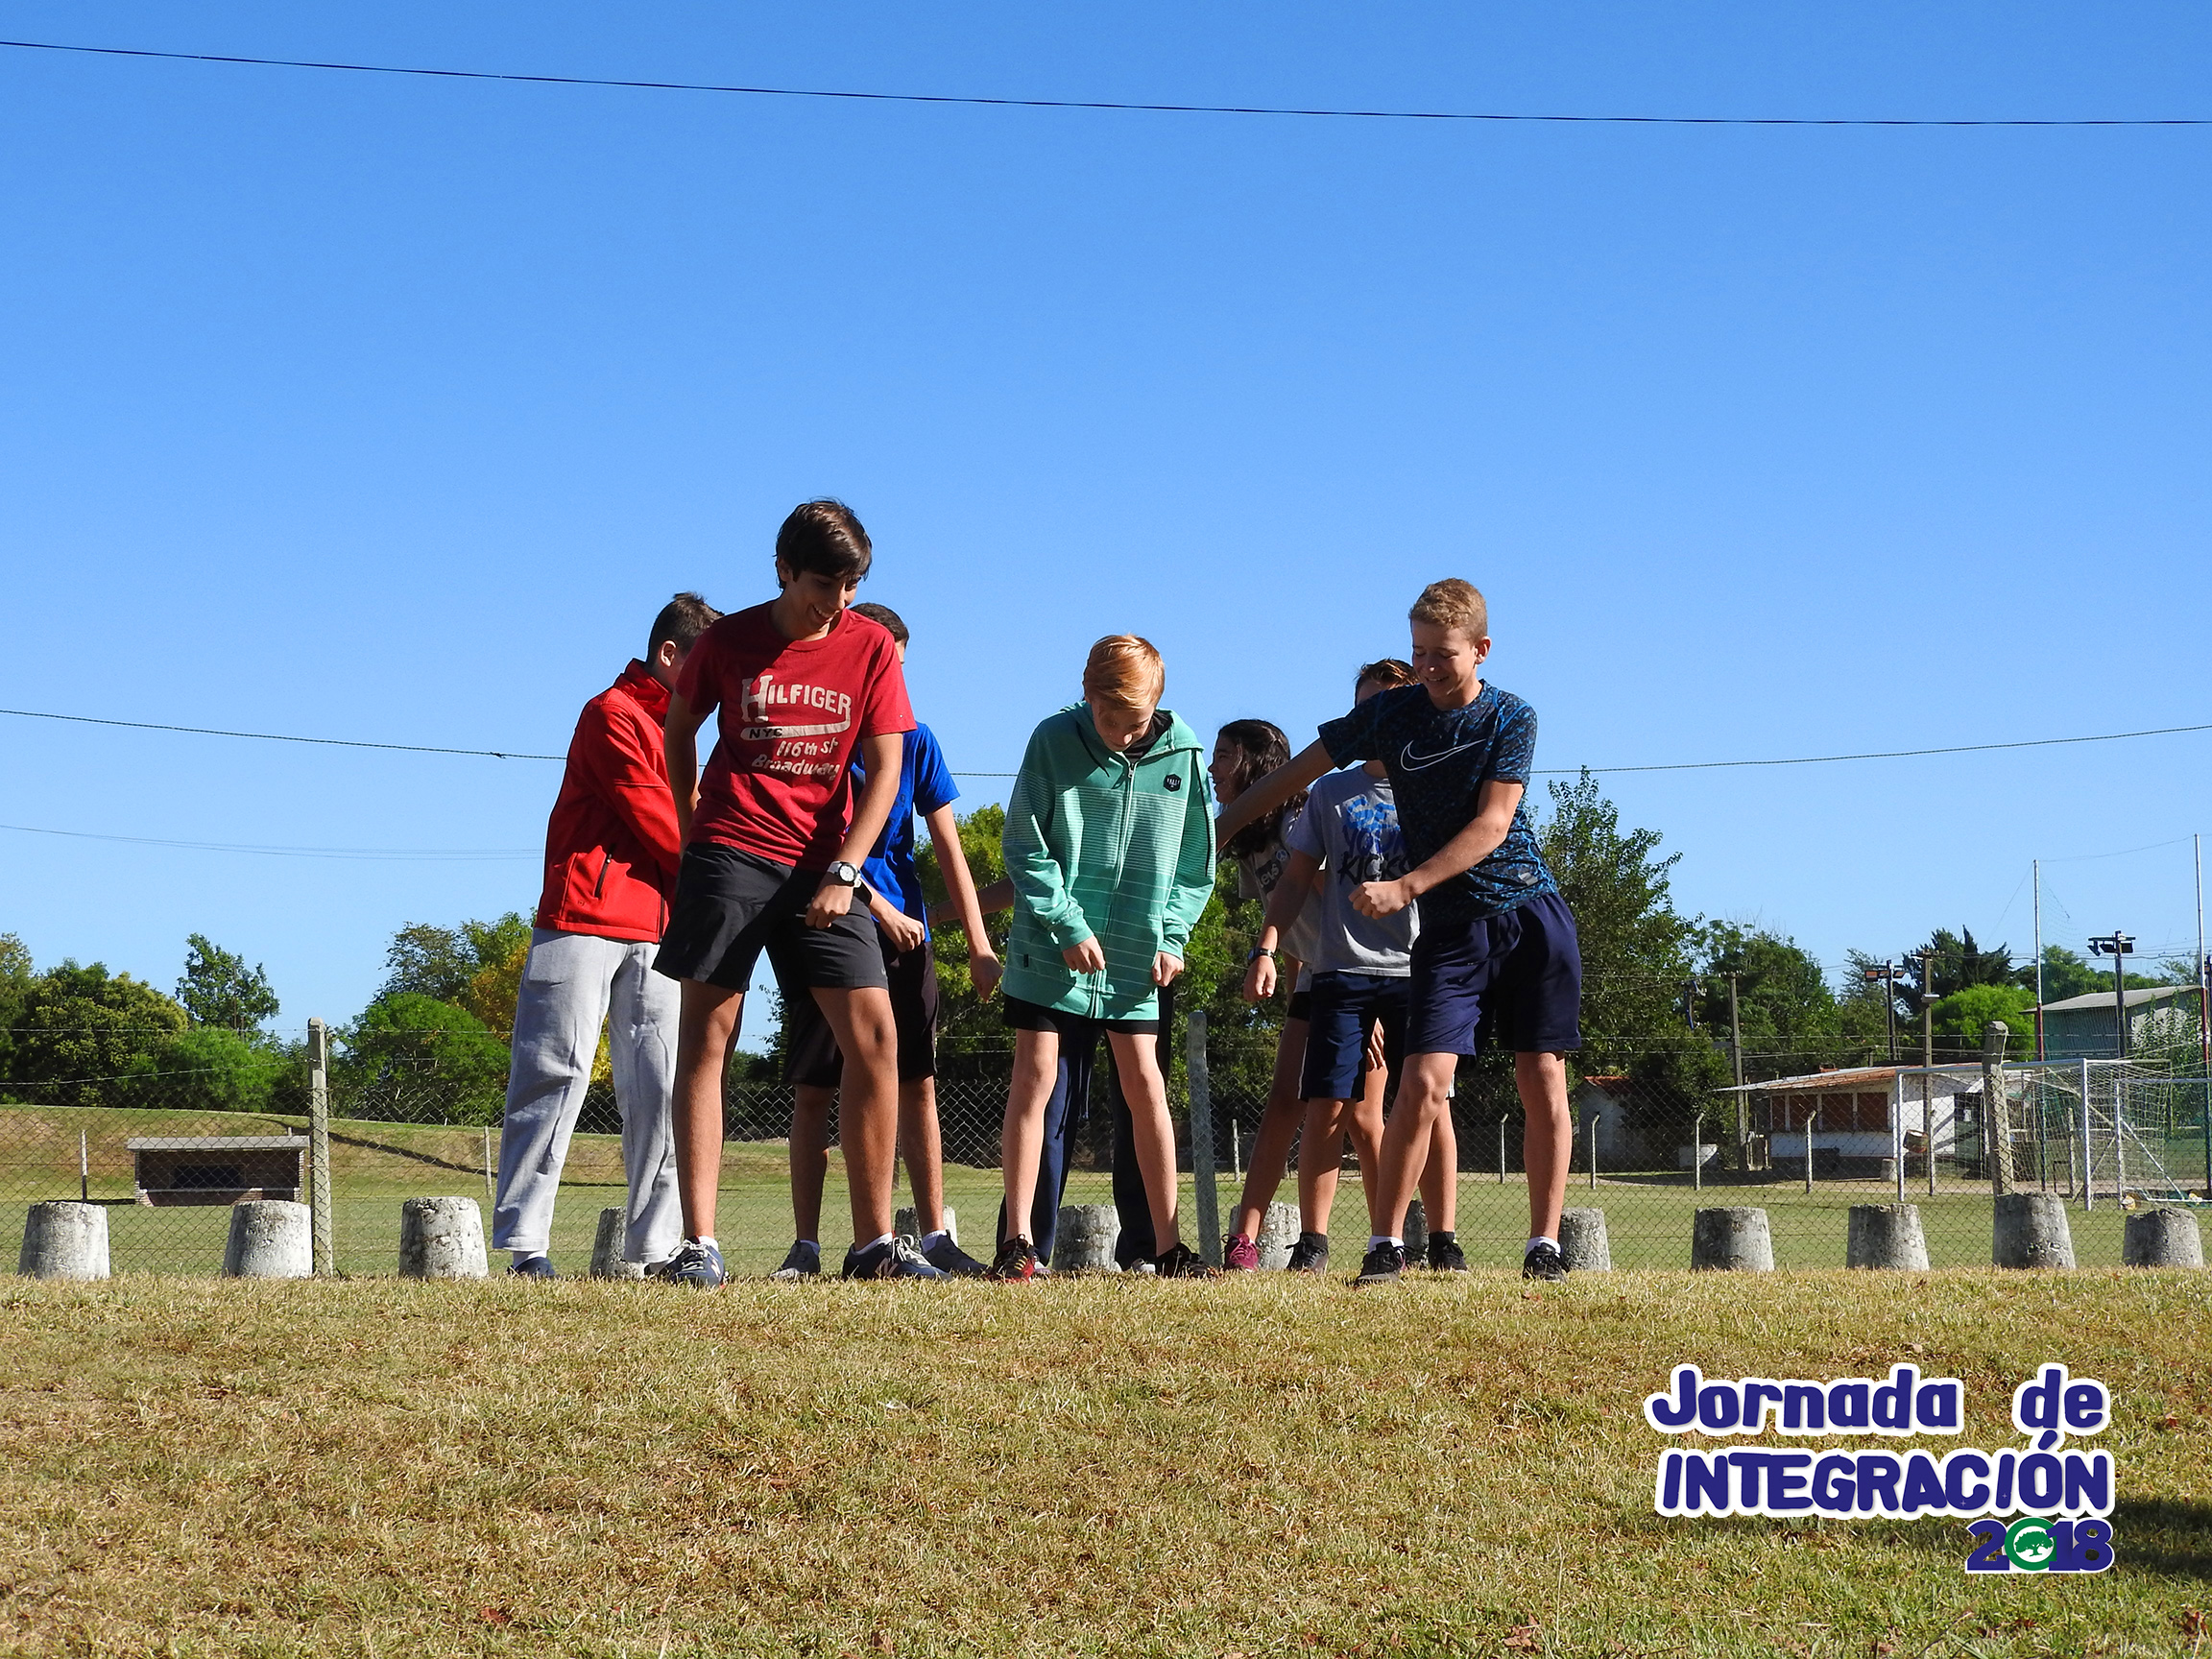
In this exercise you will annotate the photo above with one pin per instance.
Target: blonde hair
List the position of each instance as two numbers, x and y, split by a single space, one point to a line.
1453 604
1124 668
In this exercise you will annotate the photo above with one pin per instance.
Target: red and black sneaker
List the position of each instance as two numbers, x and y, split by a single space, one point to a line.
1239 1255
1016 1260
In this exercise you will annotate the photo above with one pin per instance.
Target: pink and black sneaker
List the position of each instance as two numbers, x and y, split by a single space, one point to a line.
1239 1255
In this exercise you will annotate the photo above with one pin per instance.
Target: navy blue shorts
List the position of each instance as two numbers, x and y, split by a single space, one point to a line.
1345 1007
1516 975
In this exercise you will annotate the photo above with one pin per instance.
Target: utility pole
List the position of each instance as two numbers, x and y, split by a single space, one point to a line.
2119 946
1928 1065
1889 973
1996 1115
2035 875
1743 1100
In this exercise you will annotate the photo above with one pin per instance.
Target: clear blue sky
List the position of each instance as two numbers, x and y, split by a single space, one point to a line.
392 409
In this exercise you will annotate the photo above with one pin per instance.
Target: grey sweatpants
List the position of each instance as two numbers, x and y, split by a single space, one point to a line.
571 984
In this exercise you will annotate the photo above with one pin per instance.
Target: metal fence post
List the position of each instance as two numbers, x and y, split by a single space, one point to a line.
1593 1151
319 1142
1501 1149
2088 1169
1996 1116
1202 1140
1812 1128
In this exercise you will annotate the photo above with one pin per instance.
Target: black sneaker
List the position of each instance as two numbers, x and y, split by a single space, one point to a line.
696 1264
1544 1261
533 1267
948 1258
1309 1254
897 1260
1015 1262
804 1261
1383 1263
1445 1255
1180 1262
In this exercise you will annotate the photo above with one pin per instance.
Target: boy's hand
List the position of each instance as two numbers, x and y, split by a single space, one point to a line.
1379 898
1260 979
1165 968
985 969
831 900
902 930
1087 957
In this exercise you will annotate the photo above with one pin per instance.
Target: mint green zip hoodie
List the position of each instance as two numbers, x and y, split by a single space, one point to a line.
1099 847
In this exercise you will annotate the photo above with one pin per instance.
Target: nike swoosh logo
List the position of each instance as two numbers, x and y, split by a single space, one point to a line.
1414 762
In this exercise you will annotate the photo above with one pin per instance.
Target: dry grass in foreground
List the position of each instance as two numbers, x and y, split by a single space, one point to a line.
1259 1466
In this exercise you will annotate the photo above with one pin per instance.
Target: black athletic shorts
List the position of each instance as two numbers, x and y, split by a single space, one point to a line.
730 906
811 1056
1024 1016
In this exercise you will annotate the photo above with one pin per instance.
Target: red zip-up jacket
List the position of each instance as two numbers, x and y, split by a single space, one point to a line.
611 846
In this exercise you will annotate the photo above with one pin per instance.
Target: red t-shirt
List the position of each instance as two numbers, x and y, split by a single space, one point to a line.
793 711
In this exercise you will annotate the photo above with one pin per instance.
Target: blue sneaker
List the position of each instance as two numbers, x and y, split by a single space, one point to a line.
533 1267
804 1262
696 1264
897 1260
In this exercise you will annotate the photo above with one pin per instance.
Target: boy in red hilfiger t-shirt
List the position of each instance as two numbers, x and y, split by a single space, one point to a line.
773 843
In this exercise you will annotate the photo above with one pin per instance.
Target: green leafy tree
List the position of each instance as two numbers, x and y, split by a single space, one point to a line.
216 1069
413 1058
2065 974
1636 947
1961 1017
1787 1013
16 974
86 1037
219 990
437 962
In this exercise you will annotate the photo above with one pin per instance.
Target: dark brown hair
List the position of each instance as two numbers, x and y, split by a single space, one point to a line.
1261 747
884 615
1387 672
824 538
682 619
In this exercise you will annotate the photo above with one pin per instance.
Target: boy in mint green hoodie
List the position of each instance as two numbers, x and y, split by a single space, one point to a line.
1110 850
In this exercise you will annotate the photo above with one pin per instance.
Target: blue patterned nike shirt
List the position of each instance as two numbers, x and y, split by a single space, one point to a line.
1438 761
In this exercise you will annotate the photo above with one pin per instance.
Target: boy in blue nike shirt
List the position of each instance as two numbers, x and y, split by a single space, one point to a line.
1496 939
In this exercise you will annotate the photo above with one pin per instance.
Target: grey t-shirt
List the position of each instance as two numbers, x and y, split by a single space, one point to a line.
1351 824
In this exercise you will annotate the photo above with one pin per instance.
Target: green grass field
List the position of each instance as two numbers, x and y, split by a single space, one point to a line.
377 1165
1116 1466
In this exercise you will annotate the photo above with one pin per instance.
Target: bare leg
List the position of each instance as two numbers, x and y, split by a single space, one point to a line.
1137 1061
1279 1123
923 1148
1363 1127
704 1026
809 1158
1424 1094
867 1103
1022 1139
1320 1150
1550 1132
1440 1176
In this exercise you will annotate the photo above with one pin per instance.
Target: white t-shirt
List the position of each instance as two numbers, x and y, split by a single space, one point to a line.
1351 824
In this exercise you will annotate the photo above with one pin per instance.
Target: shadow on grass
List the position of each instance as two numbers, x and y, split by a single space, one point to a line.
2164 1535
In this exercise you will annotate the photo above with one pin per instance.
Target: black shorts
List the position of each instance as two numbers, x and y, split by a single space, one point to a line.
811 1056
1301 1006
1518 976
1345 1009
1024 1016
730 906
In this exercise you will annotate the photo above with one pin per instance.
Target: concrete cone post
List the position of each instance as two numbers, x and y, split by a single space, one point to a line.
1732 1239
2031 1232
442 1238
64 1238
2162 1239
607 1248
1582 1243
1086 1239
1278 1232
270 1239
1885 1236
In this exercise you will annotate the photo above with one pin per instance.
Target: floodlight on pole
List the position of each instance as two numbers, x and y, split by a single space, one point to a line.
2119 946
1889 973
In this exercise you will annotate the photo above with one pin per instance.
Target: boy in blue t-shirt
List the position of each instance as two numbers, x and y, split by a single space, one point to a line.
811 1062
1496 939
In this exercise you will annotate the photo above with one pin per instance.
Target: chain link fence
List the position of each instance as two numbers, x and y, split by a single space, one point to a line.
167 1150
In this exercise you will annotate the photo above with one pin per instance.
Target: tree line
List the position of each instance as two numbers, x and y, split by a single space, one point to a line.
431 1044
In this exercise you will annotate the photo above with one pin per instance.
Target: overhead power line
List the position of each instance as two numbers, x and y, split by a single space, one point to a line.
1105 103
1547 772
397 855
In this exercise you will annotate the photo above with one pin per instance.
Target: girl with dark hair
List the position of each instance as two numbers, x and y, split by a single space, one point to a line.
1244 752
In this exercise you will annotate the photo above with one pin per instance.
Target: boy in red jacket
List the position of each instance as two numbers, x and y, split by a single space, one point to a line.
611 853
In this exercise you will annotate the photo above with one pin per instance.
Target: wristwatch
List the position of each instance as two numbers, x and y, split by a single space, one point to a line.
1260 951
845 875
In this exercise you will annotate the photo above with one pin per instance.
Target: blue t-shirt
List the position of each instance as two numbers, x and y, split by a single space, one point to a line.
924 784
1438 761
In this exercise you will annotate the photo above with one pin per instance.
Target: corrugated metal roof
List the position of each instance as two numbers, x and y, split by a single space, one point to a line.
1857 1077
2103 999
